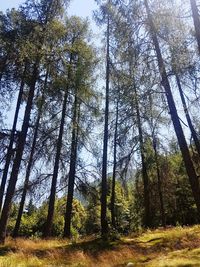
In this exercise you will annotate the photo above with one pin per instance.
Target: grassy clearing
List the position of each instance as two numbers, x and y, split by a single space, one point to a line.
162 247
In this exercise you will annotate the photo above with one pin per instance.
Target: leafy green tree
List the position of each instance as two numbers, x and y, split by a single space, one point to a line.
35 57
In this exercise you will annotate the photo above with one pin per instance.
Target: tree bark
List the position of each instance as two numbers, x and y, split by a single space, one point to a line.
104 223
18 156
12 136
189 121
145 177
50 215
113 221
72 169
30 164
196 20
160 192
174 115
49 222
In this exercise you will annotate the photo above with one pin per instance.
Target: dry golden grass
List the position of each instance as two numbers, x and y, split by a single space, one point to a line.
162 247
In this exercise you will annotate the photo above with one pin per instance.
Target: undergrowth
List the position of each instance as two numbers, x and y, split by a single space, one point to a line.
162 247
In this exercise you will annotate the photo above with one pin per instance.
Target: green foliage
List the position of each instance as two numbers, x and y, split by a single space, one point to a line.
179 203
60 47
34 219
13 216
123 203
93 211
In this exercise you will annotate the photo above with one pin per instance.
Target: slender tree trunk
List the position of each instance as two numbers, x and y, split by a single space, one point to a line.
104 223
162 209
196 20
113 221
174 116
30 163
18 156
49 222
72 169
12 136
189 121
147 209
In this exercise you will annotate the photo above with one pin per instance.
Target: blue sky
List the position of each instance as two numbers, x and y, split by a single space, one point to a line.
81 8
9 4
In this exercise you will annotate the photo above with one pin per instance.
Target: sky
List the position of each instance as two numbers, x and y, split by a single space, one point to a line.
81 8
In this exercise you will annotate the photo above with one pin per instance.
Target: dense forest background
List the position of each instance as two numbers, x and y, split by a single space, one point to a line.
104 138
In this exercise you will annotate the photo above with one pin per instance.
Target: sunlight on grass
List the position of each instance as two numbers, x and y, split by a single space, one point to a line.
183 257
21 260
173 247
170 237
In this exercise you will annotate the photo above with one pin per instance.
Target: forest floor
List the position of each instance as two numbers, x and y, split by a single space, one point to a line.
162 247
